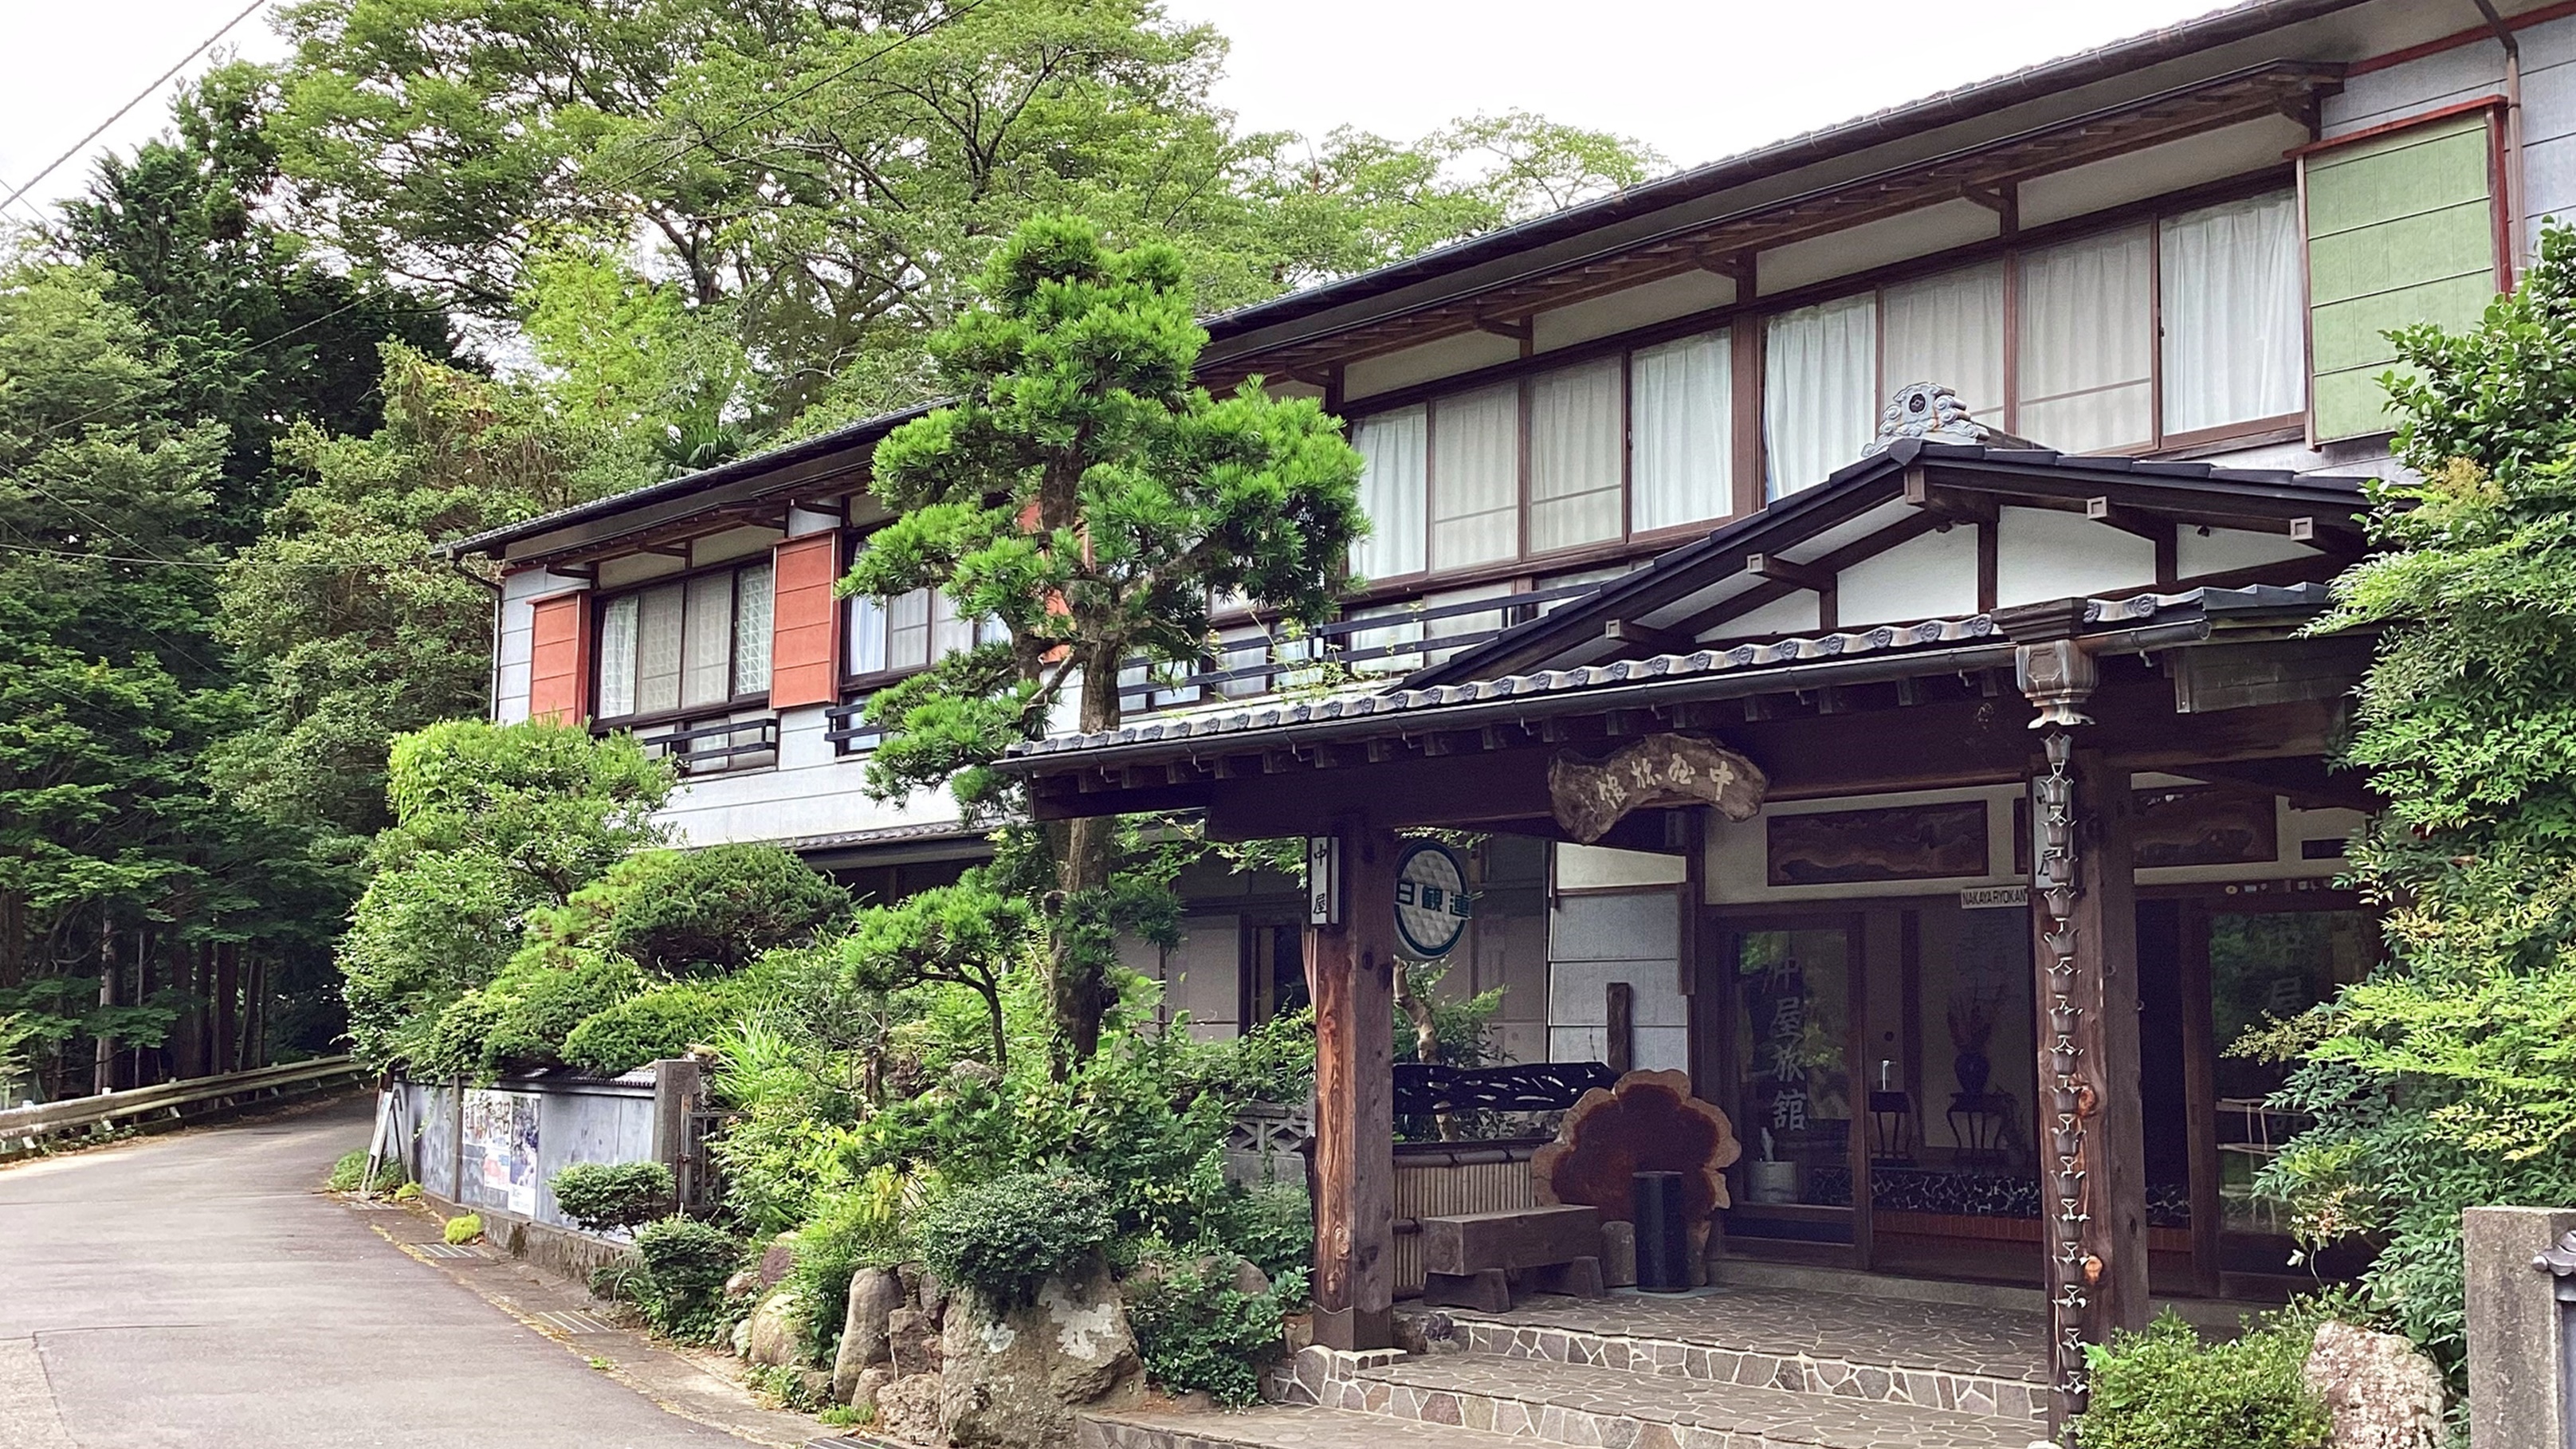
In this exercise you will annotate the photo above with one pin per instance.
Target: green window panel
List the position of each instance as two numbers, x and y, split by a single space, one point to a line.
2401 230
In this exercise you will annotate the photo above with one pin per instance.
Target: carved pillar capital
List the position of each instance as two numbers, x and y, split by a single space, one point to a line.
2051 664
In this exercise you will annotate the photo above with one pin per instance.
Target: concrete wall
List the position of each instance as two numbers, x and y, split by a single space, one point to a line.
2517 1329
578 1120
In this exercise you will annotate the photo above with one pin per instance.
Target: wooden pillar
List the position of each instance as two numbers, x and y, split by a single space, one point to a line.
1350 965
2200 1094
2092 1142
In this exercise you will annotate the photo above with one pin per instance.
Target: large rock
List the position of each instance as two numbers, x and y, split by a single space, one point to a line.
863 1391
2382 1393
774 1337
1015 1377
908 1410
913 1343
874 1295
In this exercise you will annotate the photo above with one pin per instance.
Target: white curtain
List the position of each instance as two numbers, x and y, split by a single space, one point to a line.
2231 313
1681 406
949 634
707 649
867 634
1392 492
1475 477
908 630
617 659
1574 456
1819 391
657 650
1948 329
2088 345
751 630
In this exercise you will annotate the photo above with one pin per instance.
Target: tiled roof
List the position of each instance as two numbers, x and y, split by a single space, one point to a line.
1885 639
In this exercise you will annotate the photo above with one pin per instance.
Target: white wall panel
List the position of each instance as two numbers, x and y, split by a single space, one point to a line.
2232 548
1432 360
1931 577
2044 553
1639 306
1873 244
1789 614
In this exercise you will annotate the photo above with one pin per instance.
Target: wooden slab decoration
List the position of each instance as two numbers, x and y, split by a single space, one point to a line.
1649 1122
1590 796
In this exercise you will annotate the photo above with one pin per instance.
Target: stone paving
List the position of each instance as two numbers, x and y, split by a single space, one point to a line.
1610 1409
1271 1426
1934 1355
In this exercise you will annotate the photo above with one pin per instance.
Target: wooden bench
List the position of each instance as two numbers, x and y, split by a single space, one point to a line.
1485 1260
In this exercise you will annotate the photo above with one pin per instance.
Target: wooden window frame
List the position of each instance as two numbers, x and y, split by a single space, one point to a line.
599 604
853 684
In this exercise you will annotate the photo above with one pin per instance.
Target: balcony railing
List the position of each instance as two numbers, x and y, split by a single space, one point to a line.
1390 639
849 734
707 747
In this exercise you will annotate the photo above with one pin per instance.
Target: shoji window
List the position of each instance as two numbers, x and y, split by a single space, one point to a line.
2088 344
1475 477
1681 409
1575 462
1948 329
2230 304
698 642
1393 483
1819 391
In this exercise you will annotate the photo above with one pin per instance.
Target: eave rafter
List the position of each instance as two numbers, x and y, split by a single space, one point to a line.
1987 175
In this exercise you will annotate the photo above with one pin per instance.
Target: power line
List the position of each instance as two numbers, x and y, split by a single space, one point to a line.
685 147
139 98
78 556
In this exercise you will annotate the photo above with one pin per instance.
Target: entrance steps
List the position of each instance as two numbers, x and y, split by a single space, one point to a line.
1728 1369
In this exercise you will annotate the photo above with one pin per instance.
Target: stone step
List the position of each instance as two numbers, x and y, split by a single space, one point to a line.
1601 1408
1922 1355
1274 1426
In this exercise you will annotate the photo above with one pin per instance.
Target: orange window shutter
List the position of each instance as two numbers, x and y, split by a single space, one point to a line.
559 660
805 638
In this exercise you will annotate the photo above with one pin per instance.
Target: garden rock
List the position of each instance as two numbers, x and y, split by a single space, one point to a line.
908 1410
778 1260
1015 1376
865 1389
2382 1393
741 1339
773 1339
874 1296
913 1344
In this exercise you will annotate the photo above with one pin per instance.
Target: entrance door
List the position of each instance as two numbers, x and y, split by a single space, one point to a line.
1792 1078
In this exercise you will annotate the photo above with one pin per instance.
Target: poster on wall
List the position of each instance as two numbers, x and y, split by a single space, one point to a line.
501 1148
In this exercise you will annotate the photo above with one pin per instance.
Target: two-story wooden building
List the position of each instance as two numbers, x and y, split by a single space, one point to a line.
1622 472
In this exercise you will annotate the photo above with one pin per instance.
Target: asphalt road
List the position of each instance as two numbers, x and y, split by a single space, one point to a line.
192 1292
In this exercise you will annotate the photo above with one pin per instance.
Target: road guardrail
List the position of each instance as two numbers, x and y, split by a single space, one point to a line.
26 1129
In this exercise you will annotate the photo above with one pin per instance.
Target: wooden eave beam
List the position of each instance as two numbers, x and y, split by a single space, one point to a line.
1949 504
1523 330
1781 571
1629 634
2158 531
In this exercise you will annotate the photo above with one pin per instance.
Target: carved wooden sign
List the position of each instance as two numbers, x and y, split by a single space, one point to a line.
1647 1122
1590 796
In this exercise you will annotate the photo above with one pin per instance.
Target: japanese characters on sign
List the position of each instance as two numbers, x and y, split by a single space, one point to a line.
1431 900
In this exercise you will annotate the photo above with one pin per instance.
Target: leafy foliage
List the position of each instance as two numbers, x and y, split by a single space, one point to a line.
2161 1388
463 1228
349 1174
603 1196
1196 1329
2446 1079
1007 1237
703 912
685 1265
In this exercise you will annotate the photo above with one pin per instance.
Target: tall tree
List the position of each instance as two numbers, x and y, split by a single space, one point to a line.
1087 496
350 630
822 180
260 331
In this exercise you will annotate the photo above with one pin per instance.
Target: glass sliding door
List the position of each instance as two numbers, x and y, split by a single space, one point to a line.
1792 1093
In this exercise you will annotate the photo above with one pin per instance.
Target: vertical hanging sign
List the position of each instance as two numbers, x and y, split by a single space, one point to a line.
1323 880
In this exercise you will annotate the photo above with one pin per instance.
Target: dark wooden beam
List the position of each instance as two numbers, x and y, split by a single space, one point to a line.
1352 963
1947 503
1629 634
2158 531
1523 330
1781 570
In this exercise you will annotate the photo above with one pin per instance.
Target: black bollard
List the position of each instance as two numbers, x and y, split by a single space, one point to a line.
1663 1234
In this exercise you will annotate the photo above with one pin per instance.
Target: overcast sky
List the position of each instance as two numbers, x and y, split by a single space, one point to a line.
1695 79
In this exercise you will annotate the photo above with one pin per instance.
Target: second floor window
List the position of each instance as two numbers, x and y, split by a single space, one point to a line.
698 642
910 631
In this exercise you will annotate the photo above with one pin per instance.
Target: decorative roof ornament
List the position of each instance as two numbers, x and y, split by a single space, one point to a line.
1933 412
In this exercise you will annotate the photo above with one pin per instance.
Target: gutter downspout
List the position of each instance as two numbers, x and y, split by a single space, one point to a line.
2516 249
492 677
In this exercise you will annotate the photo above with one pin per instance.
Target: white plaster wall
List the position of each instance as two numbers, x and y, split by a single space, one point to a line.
2223 549
1916 233
810 791
1637 306
1931 577
517 642
1449 356
2047 553
2233 151
1788 614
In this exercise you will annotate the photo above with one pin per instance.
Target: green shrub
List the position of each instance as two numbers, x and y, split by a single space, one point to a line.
522 1016
686 1263
349 1174
857 1227
1007 1237
707 911
602 1196
2162 1388
464 1228
663 1022
1196 1331
1274 1227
